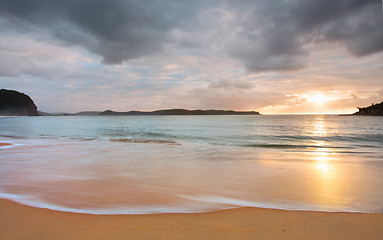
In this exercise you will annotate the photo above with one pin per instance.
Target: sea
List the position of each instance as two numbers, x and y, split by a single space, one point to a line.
183 164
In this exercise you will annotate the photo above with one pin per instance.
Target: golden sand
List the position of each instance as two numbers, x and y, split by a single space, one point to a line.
24 222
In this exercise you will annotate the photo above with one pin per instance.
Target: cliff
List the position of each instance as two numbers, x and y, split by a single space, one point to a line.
373 110
13 103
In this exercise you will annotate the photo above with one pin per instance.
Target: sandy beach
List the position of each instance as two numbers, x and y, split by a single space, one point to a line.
23 222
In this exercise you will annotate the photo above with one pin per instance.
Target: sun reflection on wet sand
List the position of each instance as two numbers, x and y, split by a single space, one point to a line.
328 181
323 166
321 155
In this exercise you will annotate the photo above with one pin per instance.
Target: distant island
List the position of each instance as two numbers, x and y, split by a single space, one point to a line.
373 110
154 113
168 112
14 103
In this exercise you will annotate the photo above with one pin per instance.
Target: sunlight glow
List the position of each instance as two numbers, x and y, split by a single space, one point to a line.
319 99
324 167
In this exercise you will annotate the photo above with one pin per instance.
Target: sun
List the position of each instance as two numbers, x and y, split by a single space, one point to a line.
318 98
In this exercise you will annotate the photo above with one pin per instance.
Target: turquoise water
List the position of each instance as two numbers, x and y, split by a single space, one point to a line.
152 164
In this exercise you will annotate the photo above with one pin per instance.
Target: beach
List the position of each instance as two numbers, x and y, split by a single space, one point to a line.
23 222
191 120
207 177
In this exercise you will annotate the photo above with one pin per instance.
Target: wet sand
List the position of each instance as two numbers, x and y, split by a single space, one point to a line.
23 222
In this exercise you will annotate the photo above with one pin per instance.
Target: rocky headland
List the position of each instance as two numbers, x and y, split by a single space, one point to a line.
14 103
373 110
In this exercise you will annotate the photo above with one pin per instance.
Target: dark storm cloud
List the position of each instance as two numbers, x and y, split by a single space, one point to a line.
356 23
275 35
263 35
361 34
117 30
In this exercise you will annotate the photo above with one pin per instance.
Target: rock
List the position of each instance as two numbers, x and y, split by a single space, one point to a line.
373 110
14 103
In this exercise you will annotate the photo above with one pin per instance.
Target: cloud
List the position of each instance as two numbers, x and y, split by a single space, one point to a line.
230 54
117 30
361 34
278 35
263 35
230 83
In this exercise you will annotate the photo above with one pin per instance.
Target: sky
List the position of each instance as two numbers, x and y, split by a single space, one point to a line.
283 56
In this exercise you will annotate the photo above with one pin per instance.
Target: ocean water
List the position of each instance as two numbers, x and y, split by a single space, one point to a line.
155 164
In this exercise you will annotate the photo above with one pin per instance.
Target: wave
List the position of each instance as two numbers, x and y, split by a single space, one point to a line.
365 138
135 140
331 138
291 146
200 204
11 136
118 210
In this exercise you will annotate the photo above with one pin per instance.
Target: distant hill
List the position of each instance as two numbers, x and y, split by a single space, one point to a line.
87 113
14 103
154 113
55 114
179 112
373 110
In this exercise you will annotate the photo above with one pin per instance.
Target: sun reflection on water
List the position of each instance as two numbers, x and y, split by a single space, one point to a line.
319 128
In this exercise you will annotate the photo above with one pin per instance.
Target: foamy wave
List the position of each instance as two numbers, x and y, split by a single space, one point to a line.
118 210
237 203
207 204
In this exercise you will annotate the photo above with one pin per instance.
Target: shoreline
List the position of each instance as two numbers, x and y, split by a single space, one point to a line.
19 221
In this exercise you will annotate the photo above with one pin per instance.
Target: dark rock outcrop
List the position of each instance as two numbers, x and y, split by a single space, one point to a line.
179 112
373 110
13 103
